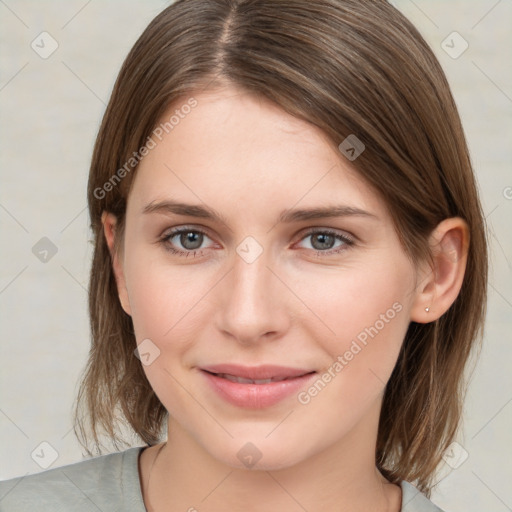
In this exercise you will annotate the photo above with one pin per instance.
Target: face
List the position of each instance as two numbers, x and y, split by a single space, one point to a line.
283 266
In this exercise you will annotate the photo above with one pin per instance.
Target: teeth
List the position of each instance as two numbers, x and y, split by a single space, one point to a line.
242 380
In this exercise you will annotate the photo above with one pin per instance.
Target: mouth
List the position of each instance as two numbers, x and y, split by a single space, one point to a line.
263 374
255 387
243 380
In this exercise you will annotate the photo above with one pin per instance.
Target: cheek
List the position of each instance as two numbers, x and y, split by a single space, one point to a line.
369 313
366 310
164 298
167 304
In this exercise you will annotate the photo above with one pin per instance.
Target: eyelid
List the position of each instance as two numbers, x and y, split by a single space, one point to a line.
172 232
348 239
302 233
331 231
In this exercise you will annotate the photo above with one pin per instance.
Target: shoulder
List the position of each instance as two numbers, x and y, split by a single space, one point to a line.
414 501
106 483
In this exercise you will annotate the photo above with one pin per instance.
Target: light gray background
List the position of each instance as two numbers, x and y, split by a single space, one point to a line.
51 109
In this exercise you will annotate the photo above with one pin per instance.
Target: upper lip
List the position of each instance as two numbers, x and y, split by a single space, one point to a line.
257 372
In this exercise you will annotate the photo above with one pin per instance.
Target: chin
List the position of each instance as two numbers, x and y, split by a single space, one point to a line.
255 453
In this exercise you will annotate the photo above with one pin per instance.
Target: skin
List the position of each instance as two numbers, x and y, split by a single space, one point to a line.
295 305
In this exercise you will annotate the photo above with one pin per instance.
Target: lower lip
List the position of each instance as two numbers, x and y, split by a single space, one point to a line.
256 396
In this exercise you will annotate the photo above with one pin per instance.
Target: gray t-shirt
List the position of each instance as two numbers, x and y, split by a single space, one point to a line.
111 483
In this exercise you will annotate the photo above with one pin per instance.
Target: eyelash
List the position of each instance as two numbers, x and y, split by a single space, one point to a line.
347 241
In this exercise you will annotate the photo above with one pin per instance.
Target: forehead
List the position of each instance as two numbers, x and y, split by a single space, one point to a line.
236 148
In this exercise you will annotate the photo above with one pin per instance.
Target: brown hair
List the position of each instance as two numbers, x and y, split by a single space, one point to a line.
348 67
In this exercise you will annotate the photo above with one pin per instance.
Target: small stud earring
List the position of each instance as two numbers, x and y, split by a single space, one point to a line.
427 309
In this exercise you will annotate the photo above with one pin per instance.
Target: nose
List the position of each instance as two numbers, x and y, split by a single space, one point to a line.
253 304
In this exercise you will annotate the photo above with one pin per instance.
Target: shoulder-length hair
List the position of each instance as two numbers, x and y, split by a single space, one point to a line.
347 67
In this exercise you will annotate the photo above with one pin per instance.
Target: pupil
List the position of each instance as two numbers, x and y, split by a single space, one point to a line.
325 241
191 240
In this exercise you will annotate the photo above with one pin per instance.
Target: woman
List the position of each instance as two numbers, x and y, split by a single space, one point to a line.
290 266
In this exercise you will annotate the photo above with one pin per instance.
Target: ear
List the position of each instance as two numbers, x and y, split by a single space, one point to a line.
443 278
109 222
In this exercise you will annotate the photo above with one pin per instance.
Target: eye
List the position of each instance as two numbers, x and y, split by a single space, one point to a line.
187 242
324 241
190 240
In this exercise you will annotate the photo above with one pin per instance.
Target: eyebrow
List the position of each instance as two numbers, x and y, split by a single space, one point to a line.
287 216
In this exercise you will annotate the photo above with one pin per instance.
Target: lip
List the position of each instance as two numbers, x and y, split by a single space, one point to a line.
266 371
256 396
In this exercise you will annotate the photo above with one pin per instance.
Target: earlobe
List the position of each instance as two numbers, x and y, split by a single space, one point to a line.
437 291
109 222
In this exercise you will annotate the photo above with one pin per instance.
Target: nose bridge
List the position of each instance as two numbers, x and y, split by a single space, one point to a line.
251 280
252 303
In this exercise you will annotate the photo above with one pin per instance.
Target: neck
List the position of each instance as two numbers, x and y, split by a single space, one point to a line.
181 475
